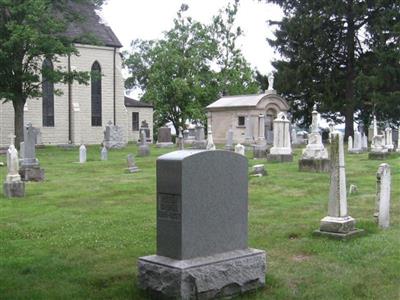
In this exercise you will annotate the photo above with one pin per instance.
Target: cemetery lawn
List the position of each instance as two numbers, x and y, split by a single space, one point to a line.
78 234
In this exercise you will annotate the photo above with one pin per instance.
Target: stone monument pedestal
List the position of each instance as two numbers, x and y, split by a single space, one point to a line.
219 275
165 145
378 155
314 165
31 173
14 189
280 157
338 228
260 151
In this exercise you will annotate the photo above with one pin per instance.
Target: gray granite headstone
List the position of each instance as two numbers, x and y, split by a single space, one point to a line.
200 142
113 136
202 228
164 137
30 168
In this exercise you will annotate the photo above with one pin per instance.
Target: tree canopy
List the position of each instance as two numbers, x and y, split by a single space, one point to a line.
190 67
343 55
30 31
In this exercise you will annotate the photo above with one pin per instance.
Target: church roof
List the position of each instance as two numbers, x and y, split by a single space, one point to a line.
129 102
240 100
88 27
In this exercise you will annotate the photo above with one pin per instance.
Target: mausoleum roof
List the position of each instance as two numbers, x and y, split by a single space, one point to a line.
243 100
129 102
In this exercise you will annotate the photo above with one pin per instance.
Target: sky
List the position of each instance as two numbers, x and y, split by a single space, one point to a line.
148 19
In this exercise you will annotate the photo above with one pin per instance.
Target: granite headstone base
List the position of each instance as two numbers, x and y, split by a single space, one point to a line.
314 165
378 155
144 150
32 173
221 275
338 228
199 144
14 189
280 157
260 151
165 145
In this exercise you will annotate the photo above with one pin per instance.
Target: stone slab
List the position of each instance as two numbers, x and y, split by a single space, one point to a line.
378 156
340 236
14 189
31 174
165 145
280 157
220 275
314 165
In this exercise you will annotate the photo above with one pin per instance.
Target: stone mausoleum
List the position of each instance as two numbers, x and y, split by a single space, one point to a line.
249 116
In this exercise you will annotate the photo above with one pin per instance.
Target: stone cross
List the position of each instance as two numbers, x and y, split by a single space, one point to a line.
271 81
210 141
82 154
383 187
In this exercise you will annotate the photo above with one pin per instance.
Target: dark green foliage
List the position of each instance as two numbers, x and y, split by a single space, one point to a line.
190 67
343 55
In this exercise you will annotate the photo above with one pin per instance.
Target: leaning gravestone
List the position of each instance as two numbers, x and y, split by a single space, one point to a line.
338 224
144 148
382 207
30 168
132 168
13 186
202 250
113 136
164 138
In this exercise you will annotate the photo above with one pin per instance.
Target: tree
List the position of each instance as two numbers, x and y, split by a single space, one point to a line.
325 47
30 31
190 67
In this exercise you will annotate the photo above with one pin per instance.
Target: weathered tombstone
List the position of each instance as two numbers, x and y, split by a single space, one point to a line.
145 127
378 150
281 150
240 149
357 143
383 187
258 171
364 142
398 140
82 154
248 137
164 138
338 224
331 129
30 168
180 141
104 153
200 142
388 139
185 134
229 141
202 250
260 148
210 141
315 156
132 168
39 140
349 143
293 135
13 185
113 136
144 148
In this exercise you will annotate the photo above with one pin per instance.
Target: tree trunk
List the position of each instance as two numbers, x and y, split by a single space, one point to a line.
350 71
19 121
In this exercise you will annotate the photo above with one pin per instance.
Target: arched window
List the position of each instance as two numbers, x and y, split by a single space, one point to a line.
47 95
96 94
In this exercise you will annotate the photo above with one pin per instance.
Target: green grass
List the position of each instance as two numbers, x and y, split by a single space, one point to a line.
78 234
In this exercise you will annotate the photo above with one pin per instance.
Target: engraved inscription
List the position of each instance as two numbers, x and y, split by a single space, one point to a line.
169 206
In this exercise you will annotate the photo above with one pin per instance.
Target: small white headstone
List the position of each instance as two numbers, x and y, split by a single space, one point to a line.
383 186
104 153
82 154
239 148
350 143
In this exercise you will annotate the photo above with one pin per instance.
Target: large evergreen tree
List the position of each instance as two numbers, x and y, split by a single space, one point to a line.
31 30
331 49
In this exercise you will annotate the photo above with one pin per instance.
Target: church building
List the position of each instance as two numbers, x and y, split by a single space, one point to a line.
81 113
